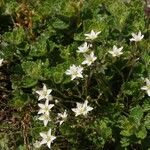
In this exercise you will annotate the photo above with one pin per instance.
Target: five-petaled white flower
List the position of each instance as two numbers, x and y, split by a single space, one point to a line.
44 93
116 51
93 35
62 117
147 87
1 61
37 144
45 108
45 118
48 138
82 109
89 59
137 37
84 48
75 72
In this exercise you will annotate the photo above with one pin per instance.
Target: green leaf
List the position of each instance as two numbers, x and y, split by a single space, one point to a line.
58 72
39 48
19 99
16 37
141 133
146 105
59 24
4 142
147 121
28 82
137 114
32 69
128 128
125 142
11 7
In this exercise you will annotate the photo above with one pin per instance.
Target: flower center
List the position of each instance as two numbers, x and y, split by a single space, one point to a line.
46 108
45 93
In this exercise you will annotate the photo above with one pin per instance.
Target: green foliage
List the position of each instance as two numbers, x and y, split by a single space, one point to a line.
39 39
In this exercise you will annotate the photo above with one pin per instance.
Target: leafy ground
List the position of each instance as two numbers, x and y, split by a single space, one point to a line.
39 42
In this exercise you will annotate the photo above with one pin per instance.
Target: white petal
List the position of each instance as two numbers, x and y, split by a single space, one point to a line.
45 122
73 109
73 77
49 91
84 62
68 72
120 49
49 132
139 34
43 142
132 39
44 87
134 35
148 92
41 97
41 106
144 88
51 106
89 108
60 123
111 52
1 61
53 138
49 144
147 81
43 135
40 111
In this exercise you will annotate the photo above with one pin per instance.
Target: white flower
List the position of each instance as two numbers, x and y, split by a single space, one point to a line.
75 72
89 59
45 118
37 144
137 37
147 87
1 61
44 93
45 108
82 109
48 138
116 51
84 48
93 35
63 117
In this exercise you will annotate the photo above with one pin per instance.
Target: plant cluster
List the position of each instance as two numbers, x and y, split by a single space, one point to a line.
92 60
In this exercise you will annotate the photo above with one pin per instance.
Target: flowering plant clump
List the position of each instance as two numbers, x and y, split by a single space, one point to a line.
74 75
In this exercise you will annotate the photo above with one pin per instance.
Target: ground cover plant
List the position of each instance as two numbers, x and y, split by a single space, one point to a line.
74 75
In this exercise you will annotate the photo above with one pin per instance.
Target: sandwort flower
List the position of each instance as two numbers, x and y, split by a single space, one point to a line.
137 37
45 108
93 35
75 72
147 86
84 48
48 138
89 59
44 93
116 51
62 117
82 109
45 118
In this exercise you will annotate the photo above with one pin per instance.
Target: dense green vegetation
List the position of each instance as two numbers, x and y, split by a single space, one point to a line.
39 40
